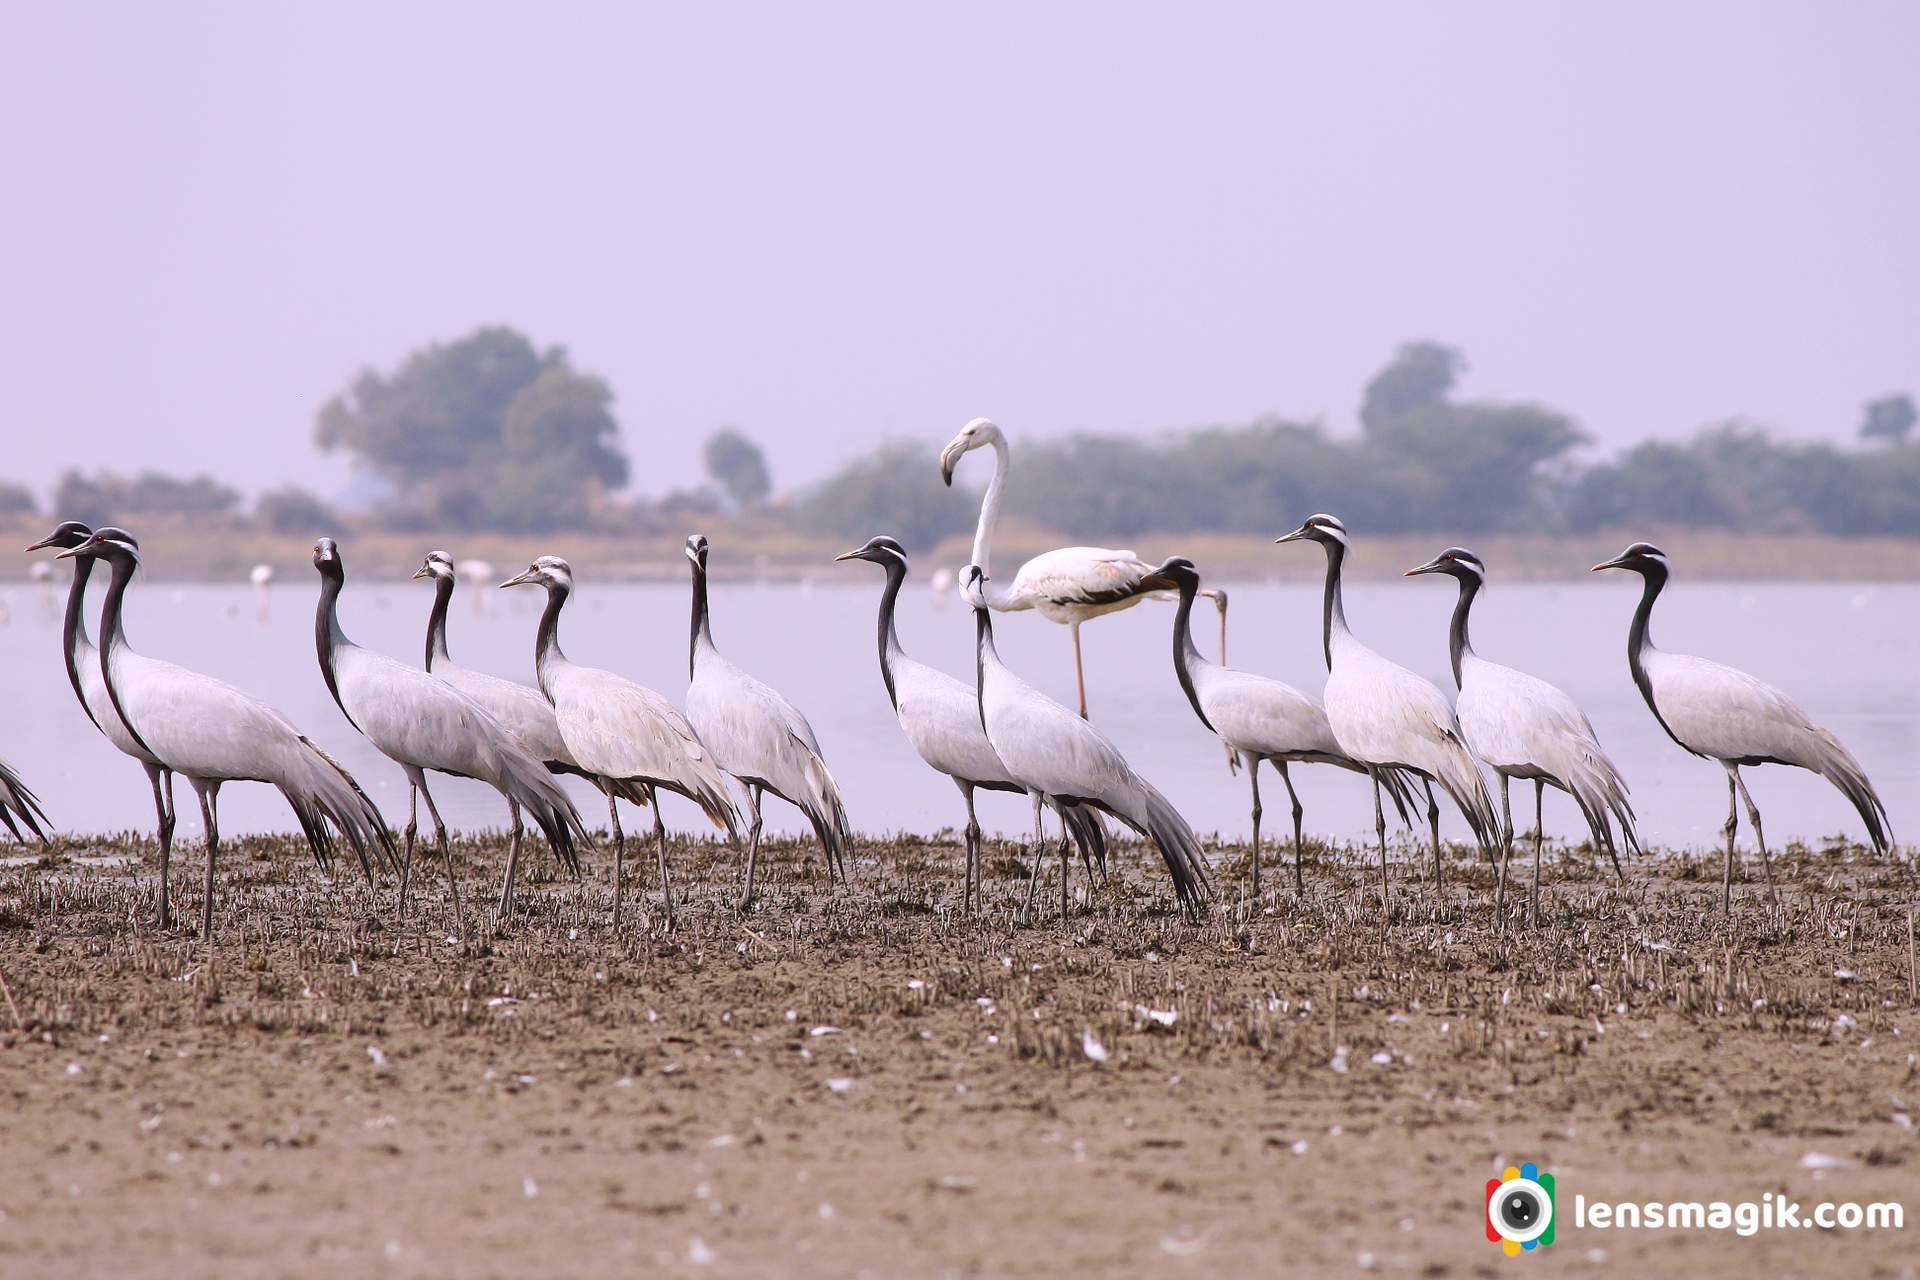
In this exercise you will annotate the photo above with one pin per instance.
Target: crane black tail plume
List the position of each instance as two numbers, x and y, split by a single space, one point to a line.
1180 848
1837 765
1089 833
320 790
18 801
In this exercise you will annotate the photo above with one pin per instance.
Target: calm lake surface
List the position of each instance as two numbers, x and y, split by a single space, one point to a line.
1846 652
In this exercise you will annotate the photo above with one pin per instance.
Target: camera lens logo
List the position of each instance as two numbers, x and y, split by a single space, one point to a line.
1520 1209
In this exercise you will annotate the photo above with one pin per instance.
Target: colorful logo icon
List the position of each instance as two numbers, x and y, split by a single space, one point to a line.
1520 1208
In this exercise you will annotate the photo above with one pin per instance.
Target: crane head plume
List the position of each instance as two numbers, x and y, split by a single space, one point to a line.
68 533
438 564
1641 557
110 542
878 550
326 558
1457 561
1321 528
547 571
975 435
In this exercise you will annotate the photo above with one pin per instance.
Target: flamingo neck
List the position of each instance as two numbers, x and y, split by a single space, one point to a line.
990 510
437 621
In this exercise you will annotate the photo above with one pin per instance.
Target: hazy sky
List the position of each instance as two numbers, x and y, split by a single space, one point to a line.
831 224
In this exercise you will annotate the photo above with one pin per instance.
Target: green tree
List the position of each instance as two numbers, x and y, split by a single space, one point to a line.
105 498
736 464
483 432
1420 374
1888 420
894 490
16 500
293 510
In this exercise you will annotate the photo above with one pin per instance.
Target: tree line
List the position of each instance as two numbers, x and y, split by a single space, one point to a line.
490 432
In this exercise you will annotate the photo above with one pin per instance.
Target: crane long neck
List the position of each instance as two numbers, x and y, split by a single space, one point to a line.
990 509
73 633
328 637
1640 634
702 633
984 655
1334 612
1458 645
437 621
889 638
1186 657
546 642
113 638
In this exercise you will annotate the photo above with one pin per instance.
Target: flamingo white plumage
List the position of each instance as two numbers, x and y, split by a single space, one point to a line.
211 733
759 737
1725 714
421 723
1525 728
621 732
90 687
940 717
1069 585
1386 717
1059 756
1260 719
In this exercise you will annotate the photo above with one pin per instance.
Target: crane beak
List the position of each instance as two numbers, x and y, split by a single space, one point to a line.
861 554
70 552
517 580
1295 536
38 546
1431 566
1608 564
423 572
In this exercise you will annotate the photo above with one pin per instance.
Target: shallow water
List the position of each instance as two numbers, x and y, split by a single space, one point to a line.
1844 651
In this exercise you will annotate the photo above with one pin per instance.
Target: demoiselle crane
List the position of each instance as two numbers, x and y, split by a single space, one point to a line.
90 687
523 709
1259 719
759 737
1525 728
211 733
1386 717
421 723
940 717
1722 714
1070 585
18 805
622 732
1059 756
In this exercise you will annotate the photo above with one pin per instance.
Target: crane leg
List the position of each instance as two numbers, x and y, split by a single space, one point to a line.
1506 850
1539 837
660 848
406 863
1759 837
619 849
1039 852
505 907
1380 829
753 850
1299 848
1733 824
1253 776
1433 821
446 854
1064 866
210 818
973 851
162 780
1079 671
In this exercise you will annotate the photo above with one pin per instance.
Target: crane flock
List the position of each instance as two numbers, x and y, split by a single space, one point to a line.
739 738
